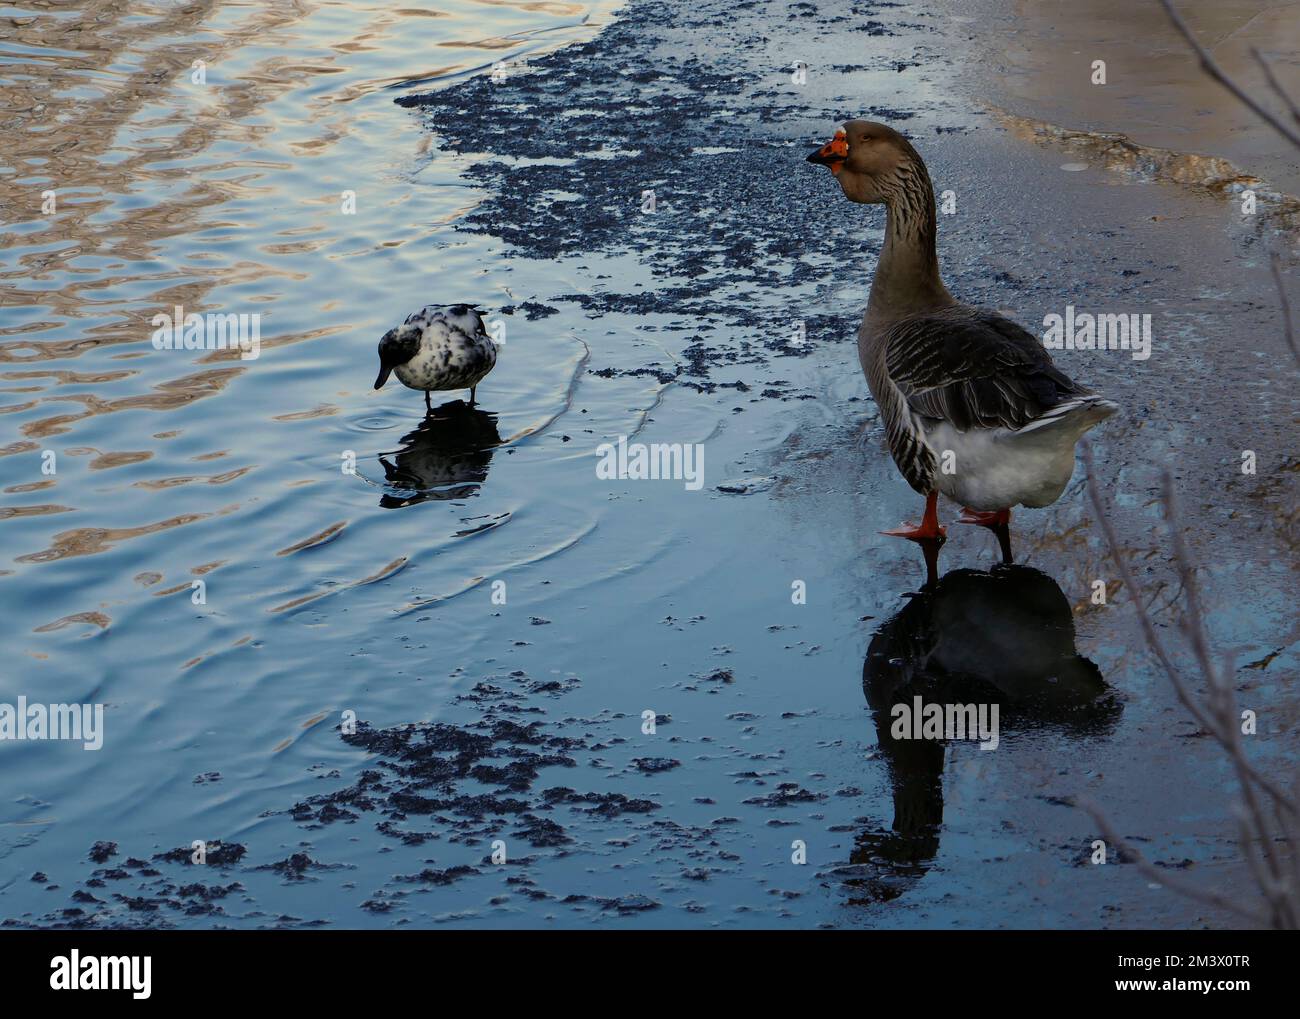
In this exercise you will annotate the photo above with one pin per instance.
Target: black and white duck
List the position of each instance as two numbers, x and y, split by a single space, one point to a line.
439 347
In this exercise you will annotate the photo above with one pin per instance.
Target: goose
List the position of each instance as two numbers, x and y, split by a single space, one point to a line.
972 405
439 347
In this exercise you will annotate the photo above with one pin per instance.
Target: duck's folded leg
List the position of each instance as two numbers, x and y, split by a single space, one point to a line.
997 521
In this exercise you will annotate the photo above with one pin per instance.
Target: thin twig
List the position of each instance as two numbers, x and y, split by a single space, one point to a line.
1275 263
1204 719
1168 881
1274 84
1273 891
1218 74
1218 716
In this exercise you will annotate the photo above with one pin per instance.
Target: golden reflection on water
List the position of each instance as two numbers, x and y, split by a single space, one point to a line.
172 188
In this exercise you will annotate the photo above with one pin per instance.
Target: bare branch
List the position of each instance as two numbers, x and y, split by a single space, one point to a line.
1169 881
1274 84
1277 879
1275 263
1216 72
1207 721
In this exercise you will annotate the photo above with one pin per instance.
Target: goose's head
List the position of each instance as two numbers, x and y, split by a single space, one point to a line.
867 159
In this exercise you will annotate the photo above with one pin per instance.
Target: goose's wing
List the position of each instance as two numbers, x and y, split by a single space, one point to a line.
974 369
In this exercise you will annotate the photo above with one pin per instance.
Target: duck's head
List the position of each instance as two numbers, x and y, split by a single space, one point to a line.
868 160
396 347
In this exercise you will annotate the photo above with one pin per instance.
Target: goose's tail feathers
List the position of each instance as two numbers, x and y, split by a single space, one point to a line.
1077 414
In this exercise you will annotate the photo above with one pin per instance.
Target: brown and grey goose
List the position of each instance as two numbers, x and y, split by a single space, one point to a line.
972 405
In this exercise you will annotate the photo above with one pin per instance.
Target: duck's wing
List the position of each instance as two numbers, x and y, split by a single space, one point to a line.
974 369
460 317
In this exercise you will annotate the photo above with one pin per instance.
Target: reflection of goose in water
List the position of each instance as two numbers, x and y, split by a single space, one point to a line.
446 457
1005 637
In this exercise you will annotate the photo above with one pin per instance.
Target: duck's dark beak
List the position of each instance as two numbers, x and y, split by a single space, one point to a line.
833 153
384 372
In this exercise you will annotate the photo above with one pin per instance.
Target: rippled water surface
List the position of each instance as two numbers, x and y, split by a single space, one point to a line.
169 467
474 576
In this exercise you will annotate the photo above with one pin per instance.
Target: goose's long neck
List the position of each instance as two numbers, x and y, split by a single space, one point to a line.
907 275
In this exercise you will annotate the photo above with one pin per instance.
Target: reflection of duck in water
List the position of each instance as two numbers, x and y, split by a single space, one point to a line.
1003 638
446 457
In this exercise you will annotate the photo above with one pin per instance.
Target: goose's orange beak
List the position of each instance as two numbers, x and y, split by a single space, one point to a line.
833 153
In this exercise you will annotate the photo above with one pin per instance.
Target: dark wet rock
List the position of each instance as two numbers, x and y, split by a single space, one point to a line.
604 804
483 692
407 836
786 794
331 812
517 775
655 764
747 486
207 892
635 903
421 764
101 851
39 877
217 854
294 867
431 876
139 903
542 832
